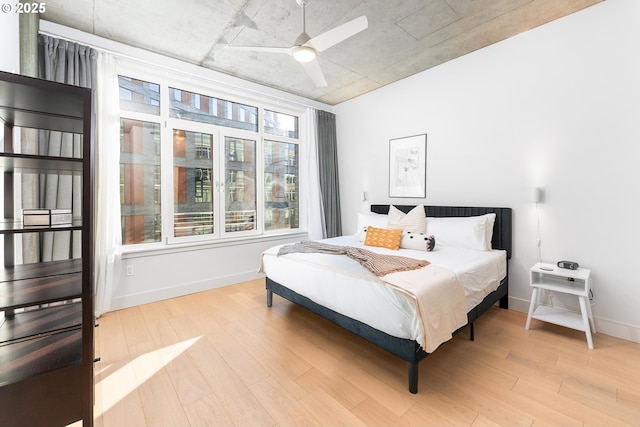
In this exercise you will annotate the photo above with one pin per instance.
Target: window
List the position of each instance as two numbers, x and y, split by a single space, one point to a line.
240 183
281 185
138 95
280 124
140 181
200 108
210 158
192 185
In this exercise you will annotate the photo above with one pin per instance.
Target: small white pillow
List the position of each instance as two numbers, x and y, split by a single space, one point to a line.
417 241
414 221
473 232
366 219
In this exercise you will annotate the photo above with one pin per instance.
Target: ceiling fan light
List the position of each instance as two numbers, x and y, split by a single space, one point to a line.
304 54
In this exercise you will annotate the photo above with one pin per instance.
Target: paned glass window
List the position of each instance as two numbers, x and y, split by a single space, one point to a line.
200 108
140 181
281 185
240 184
192 184
223 173
280 124
138 95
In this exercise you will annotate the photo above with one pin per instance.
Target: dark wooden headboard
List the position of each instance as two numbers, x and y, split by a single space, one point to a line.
501 228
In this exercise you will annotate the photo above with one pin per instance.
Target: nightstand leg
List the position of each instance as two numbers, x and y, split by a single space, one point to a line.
590 313
532 307
586 320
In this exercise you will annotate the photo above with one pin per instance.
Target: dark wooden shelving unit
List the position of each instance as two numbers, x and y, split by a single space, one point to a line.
46 330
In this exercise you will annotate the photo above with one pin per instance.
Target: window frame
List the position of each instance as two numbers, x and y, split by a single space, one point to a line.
150 118
301 197
238 133
168 207
167 124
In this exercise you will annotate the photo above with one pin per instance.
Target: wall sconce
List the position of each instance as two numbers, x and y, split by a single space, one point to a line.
535 195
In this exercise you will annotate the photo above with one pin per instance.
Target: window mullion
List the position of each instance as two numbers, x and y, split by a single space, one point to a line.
167 182
260 183
219 204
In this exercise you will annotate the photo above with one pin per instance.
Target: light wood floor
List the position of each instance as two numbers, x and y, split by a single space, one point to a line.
222 358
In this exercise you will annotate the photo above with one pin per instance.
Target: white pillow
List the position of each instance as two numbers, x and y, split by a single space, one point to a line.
473 232
417 241
414 221
366 219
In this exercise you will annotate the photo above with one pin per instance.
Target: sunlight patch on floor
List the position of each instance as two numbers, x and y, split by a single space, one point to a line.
117 385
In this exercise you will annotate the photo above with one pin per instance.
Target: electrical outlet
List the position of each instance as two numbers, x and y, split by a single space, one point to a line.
130 270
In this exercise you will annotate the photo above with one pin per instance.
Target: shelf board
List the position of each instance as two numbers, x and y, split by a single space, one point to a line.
30 163
25 359
40 104
558 316
44 321
13 227
40 290
561 285
42 269
553 270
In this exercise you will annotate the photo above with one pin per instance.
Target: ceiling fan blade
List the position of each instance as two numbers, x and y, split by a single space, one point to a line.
260 49
342 32
313 69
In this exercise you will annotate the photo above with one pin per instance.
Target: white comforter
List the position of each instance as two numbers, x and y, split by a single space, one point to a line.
344 286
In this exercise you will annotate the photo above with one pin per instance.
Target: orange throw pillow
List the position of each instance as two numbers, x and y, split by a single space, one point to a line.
383 237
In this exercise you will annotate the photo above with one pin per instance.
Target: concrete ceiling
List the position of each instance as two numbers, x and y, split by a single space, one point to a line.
404 37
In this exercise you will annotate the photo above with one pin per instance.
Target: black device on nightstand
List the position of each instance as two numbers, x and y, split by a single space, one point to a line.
569 265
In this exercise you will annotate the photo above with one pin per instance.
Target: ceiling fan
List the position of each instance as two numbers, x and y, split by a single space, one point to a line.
305 48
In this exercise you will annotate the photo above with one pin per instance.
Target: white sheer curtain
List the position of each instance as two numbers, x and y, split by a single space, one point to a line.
108 238
315 215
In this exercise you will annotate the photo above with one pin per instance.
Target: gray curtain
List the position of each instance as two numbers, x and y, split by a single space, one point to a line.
328 172
64 62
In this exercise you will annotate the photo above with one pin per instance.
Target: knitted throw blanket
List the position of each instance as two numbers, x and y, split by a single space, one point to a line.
378 264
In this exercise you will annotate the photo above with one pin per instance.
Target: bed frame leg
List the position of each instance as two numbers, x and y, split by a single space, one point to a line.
472 335
413 377
269 297
504 302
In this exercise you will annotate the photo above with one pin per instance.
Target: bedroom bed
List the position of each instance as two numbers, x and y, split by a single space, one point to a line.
379 313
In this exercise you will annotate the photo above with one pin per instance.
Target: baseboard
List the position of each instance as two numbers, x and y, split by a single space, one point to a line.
133 300
604 326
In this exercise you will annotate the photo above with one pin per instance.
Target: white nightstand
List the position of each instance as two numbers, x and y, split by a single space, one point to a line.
572 282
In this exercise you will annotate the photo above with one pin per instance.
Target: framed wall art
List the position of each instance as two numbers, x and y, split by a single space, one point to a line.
408 166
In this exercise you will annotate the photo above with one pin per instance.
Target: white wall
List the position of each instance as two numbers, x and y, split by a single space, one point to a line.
556 107
172 273
9 42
